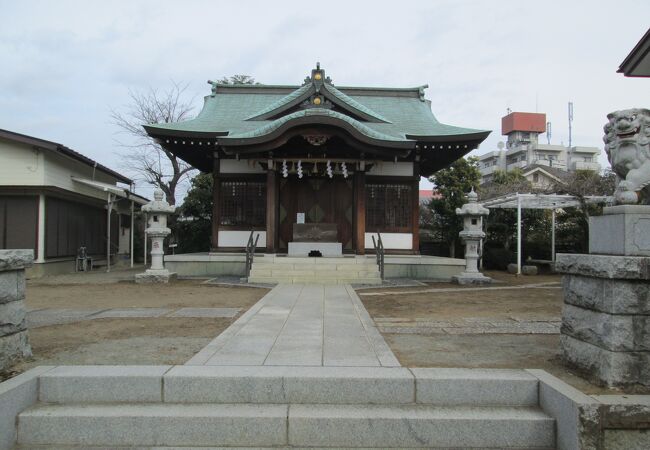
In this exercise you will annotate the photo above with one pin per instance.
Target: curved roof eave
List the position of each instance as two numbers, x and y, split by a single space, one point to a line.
172 132
316 116
468 135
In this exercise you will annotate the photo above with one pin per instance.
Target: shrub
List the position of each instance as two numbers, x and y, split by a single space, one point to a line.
497 258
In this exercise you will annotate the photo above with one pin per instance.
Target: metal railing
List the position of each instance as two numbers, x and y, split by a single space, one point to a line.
379 253
250 252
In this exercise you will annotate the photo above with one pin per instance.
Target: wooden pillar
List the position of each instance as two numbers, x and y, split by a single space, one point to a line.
415 218
272 198
216 202
415 207
360 211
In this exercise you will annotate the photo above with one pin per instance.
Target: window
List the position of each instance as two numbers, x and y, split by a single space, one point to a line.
535 178
243 203
388 207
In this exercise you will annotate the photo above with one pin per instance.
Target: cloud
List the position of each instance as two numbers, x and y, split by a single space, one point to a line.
67 63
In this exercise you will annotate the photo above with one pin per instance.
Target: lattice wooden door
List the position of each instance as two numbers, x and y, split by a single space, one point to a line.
323 200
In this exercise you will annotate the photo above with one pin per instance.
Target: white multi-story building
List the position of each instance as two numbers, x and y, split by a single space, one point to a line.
523 150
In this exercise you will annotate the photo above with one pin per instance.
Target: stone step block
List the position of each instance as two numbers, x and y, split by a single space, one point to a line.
153 425
102 384
485 387
255 272
276 384
357 267
303 273
270 280
362 281
419 427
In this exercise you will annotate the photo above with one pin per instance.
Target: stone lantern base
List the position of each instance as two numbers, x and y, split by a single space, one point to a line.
155 276
471 278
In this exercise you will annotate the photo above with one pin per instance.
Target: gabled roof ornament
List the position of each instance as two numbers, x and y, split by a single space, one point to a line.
318 78
318 92
214 87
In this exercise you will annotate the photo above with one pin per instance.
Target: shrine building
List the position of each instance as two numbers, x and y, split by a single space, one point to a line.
348 158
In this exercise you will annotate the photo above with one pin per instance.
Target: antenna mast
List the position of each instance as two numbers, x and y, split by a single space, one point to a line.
570 121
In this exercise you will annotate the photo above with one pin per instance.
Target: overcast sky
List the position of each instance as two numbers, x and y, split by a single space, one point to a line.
65 64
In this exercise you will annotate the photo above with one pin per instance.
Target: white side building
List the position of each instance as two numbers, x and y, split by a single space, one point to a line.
54 200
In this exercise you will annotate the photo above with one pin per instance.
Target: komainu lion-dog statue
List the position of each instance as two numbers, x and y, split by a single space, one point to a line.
627 143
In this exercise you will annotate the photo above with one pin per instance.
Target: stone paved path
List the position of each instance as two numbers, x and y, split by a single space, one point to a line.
301 325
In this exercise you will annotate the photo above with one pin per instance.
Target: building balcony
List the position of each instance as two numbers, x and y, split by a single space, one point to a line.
489 170
583 165
587 151
516 165
557 163
489 156
549 148
517 149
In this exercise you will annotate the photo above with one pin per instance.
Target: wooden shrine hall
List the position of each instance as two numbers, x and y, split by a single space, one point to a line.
347 158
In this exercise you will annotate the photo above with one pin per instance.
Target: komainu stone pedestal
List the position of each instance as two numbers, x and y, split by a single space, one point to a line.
14 342
621 230
606 317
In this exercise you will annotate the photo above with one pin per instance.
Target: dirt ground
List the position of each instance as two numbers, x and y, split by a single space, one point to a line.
160 340
125 294
530 303
500 302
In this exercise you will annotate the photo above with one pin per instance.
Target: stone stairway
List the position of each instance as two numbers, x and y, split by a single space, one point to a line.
292 270
271 406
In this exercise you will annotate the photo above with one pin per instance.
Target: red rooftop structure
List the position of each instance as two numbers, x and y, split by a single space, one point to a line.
523 121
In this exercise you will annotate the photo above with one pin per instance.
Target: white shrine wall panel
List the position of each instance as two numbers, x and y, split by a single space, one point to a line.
393 169
232 238
392 241
241 166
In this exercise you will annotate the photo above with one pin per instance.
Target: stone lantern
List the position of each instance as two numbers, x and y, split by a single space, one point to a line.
157 230
472 214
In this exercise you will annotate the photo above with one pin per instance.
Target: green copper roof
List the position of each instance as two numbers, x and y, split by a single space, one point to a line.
275 124
288 100
347 100
251 111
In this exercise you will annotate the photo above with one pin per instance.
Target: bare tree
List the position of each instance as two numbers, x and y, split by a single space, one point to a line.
144 156
238 79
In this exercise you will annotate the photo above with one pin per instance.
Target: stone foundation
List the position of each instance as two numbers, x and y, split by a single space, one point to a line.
606 317
14 342
471 278
154 277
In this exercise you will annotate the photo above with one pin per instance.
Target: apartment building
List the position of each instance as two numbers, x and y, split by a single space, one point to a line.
523 150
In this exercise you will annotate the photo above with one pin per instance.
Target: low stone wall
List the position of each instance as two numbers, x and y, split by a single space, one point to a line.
14 342
606 317
434 268
415 267
206 265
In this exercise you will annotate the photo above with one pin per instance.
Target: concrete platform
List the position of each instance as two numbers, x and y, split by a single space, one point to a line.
301 325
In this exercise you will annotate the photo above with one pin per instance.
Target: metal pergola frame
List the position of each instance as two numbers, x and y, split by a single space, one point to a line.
541 201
